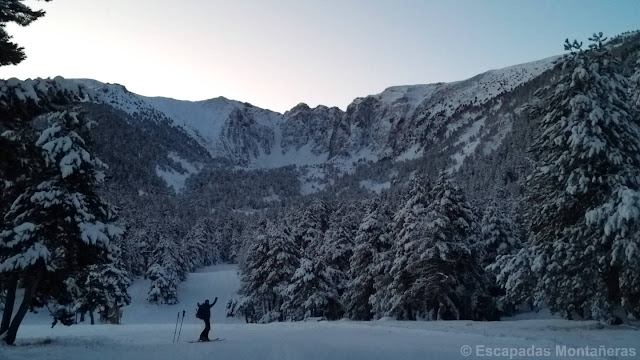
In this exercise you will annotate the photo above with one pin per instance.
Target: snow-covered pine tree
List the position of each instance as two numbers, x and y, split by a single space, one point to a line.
18 164
22 162
221 230
254 227
163 272
144 243
92 285
204 231
500 234
22 103
133 252
164 285
194 247
172 230
312 292
372 242
237 239
14 11
309 224
252 275
266 273
515 276
437 273
585 204
337 247
392 297
500 237
59 225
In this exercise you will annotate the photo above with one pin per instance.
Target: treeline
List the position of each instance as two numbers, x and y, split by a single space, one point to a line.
420 255
164 250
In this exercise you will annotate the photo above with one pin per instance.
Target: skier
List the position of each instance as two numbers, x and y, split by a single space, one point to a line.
204 313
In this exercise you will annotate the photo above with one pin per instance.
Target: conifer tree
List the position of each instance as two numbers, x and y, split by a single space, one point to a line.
204 232
337 246
584 194
499 233
14 11
266 273
194 248
163 272
164 285
372 242
312 292
314 288
59 225
103 288
436 271
308 228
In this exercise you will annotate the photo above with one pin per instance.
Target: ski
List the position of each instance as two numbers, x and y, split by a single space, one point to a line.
212 340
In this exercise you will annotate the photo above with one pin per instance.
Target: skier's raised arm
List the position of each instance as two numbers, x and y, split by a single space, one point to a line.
214 302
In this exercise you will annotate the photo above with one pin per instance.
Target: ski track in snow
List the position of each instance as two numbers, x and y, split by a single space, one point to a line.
147 333
307 340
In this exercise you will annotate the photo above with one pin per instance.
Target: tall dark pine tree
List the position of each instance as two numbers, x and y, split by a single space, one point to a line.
163 272
266 273
308 228
58 225
583 254
392 296
500 233
436 271
500 238
194 248
312 292
103 288
21 162
337 246
201 243
14 11
372 242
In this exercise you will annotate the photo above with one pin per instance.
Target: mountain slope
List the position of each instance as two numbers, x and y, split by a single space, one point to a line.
372 127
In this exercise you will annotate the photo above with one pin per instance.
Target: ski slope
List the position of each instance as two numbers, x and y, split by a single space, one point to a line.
207 283
147 333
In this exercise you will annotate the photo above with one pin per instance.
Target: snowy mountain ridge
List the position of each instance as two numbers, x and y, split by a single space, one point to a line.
401 123
252 137
481 87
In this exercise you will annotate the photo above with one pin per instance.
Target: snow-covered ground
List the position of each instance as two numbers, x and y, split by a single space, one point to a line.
147 333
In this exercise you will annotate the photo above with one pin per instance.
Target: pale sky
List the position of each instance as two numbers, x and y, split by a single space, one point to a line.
278 53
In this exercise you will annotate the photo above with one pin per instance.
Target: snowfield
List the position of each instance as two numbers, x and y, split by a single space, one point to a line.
147 333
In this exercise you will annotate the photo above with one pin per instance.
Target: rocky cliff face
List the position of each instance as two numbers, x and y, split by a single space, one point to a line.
303 126
410 118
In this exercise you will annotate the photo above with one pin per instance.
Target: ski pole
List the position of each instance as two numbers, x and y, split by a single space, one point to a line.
180 332
176 329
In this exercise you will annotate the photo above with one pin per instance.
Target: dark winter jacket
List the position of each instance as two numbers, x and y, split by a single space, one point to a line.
205 309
